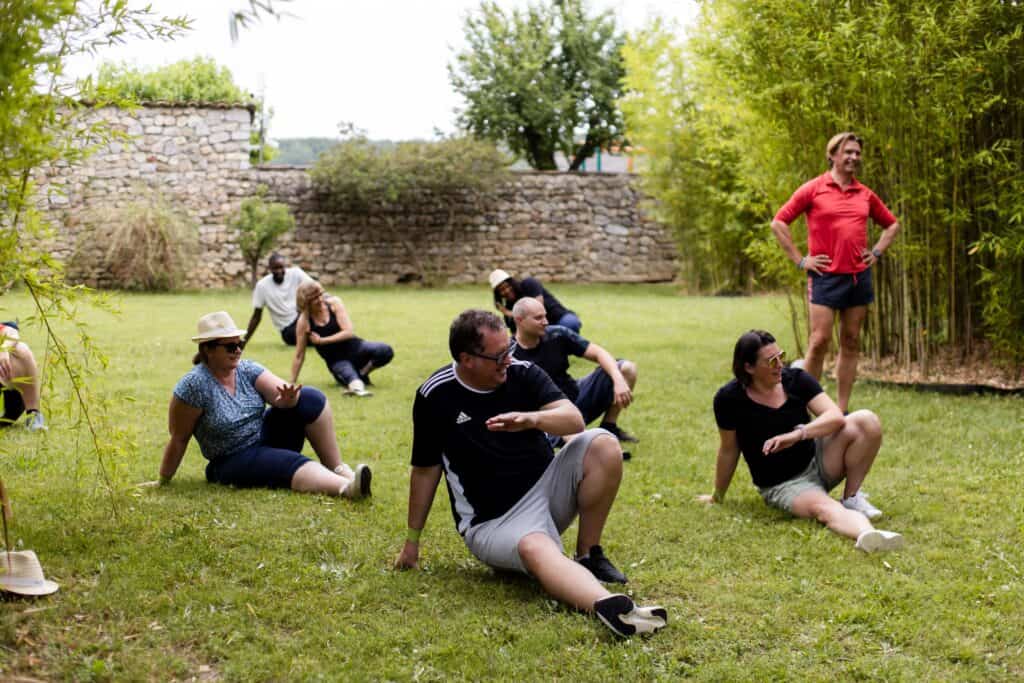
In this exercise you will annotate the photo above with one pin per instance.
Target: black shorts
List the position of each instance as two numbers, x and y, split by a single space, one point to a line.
840 291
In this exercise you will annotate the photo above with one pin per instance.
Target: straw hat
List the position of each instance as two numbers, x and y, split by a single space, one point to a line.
216 326
21 573
497 277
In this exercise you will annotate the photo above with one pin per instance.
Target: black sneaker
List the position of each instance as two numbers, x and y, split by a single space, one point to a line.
626 455
601 567
620 434
625 619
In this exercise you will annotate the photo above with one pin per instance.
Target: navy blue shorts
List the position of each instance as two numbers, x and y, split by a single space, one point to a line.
596 394
840 291
274 460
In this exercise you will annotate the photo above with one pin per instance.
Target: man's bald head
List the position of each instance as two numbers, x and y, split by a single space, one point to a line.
527 306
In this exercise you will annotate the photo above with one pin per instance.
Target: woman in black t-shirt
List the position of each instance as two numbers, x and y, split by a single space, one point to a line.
762 414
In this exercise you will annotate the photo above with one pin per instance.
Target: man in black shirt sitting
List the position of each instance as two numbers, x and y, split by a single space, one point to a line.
481 421
608 389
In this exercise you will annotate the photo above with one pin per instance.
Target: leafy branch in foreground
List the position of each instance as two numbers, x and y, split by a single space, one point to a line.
41 124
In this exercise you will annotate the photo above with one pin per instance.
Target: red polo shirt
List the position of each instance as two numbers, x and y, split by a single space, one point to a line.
837 220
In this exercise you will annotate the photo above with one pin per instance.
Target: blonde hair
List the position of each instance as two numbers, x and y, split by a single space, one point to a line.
306 292
837 142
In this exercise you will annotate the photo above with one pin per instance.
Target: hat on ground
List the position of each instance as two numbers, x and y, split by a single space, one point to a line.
21 573
216 326
497 277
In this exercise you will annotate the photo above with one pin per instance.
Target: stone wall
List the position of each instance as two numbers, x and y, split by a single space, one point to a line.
560 227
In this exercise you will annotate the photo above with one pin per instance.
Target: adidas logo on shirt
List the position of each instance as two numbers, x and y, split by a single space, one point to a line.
462 418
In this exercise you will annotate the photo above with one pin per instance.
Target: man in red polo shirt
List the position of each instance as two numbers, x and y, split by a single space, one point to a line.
838 262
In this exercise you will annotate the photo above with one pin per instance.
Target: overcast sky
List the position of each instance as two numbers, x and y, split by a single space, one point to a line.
380 64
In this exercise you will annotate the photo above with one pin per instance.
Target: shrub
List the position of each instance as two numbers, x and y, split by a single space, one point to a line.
259 224
146 245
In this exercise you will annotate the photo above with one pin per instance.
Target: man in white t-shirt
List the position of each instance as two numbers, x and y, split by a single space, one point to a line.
277 292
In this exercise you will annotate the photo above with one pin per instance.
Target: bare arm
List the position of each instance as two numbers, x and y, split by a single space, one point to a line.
812 262
181 422
725 466
347 330
829 419
423 483
623 394
886 239
301 335
254 322
276 392
560 418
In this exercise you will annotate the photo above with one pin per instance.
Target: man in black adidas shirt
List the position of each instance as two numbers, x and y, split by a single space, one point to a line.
481 421
608 389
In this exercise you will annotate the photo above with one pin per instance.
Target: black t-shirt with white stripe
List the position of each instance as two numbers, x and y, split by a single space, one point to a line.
486 472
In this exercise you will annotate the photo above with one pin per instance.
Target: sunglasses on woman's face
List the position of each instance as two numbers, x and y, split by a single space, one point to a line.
776 361
231 347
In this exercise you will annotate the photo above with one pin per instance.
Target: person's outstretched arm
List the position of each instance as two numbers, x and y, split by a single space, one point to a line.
181 422
254 322
725 466
423 483
560 418
620 387
301 337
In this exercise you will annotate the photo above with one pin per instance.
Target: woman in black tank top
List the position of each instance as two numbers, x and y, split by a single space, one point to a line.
324 323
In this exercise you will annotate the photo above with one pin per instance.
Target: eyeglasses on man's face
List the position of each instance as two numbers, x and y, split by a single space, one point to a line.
499 359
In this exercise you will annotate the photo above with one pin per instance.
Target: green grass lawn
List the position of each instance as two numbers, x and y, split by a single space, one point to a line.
202 582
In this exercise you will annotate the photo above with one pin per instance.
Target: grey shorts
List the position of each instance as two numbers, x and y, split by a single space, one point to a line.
549 508
782 495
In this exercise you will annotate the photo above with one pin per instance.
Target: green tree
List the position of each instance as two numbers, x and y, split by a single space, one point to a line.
935 88
259 224
542 80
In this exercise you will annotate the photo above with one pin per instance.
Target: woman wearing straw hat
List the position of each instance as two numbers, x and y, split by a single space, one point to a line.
507 291
221 402
324 323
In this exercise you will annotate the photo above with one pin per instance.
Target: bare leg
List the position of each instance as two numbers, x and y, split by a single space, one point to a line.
820 340
629 371
562 578
321 436
850 322
851 451
602 473
25 375
816 504
313 477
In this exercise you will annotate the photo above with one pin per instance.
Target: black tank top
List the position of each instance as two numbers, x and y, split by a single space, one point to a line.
338 350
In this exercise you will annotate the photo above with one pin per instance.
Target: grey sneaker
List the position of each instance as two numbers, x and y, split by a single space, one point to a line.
625 619
600 566
34 422
876 540
859 502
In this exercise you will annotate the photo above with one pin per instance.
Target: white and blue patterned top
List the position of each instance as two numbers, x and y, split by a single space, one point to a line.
229 423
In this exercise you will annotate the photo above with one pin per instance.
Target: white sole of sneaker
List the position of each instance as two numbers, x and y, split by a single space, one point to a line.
876 540
646 619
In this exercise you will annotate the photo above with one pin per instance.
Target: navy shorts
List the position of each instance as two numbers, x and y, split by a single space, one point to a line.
274 460
596 394
840 291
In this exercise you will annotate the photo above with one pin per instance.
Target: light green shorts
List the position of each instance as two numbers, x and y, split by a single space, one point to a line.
782 495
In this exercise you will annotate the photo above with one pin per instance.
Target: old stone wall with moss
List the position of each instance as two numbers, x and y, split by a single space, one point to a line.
560 227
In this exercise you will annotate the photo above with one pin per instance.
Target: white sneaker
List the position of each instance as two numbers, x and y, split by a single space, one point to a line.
798 364
859 502
361 393
876 540
360 486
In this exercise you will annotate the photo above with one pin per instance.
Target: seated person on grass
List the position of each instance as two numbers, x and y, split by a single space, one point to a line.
794 465
324 323
276 293
507 291
19 376
222 403
608 389
481 421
